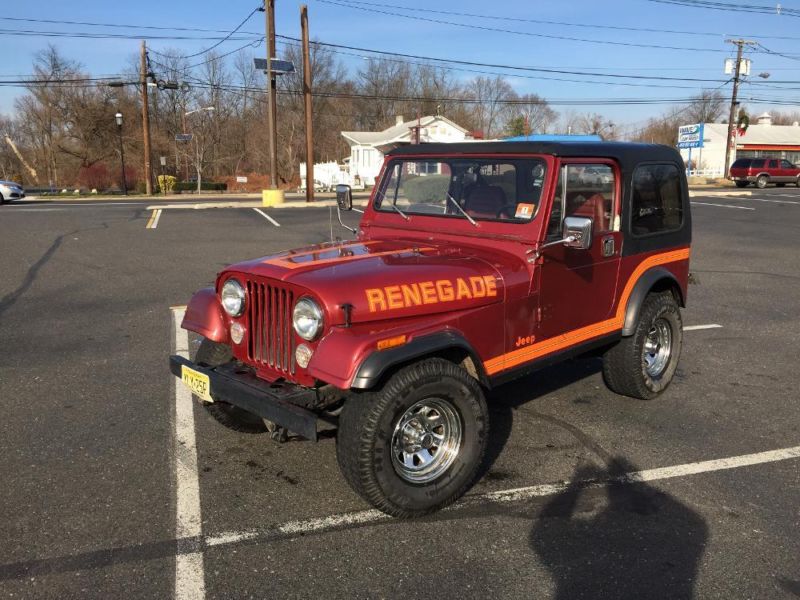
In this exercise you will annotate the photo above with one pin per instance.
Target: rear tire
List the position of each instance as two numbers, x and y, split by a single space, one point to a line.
415 445
762 181
212 354
642 365
741 184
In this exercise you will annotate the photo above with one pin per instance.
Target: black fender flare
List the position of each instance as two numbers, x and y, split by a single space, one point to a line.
373 368
643 286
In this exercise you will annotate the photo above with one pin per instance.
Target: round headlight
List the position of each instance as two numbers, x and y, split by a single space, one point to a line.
232 296
307 318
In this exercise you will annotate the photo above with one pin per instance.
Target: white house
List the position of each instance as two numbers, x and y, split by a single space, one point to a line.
367 148
762 139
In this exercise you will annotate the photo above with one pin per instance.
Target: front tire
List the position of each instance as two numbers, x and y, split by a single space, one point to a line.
212 354
415 445
642 365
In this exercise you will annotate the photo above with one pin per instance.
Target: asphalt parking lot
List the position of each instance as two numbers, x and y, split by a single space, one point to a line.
587 494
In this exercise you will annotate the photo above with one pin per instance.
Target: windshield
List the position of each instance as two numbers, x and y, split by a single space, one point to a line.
482 189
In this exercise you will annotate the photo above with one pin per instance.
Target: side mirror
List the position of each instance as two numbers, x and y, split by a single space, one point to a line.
344 197
578 233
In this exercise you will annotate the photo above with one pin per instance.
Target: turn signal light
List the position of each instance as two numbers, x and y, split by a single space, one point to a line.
391 342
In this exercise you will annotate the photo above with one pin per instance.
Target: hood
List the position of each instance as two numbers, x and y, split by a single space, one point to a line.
385 279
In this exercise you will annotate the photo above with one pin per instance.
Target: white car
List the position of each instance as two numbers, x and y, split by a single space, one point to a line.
10 191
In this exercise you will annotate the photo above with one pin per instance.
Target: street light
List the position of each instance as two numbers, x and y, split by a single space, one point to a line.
118 119
196 144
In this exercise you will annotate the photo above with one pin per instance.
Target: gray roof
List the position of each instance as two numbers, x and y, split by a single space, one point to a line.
377 138
767 135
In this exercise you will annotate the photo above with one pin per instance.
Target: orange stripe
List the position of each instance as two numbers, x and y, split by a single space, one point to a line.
570 338
284 262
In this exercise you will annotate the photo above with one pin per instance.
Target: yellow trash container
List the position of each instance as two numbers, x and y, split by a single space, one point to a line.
271 197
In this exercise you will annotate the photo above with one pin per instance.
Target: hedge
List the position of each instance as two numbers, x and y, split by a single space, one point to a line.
191 186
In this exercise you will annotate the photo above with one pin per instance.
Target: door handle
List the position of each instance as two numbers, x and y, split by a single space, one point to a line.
608 246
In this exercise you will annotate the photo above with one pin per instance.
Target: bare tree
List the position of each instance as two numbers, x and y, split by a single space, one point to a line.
490 109
594 124
707 107
531 114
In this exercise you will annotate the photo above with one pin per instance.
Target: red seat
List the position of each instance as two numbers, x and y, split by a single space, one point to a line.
594 208
486 201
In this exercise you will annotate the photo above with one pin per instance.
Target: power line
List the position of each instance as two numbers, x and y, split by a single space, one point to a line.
517 32
126 26
559 23
100 35
727 6
504 74
501 66
227 37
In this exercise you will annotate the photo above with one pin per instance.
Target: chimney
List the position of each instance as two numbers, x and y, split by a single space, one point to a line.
398 120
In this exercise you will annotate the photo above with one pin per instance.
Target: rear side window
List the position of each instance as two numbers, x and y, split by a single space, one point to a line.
657 205
757 164
741 163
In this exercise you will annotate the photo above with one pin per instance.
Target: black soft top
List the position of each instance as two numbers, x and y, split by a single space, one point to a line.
628 154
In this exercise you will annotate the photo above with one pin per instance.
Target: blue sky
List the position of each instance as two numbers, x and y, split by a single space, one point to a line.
337 24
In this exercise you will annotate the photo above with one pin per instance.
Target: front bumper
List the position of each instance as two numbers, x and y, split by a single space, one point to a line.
281 403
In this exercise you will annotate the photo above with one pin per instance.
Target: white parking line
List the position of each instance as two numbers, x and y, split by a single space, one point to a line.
87 204
189 571
363 517
699 327
723 205
154 218
775 201
267 217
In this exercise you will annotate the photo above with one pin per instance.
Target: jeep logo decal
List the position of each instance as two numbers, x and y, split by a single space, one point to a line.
393 297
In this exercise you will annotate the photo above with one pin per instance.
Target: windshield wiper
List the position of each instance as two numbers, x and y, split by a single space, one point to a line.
461 210
400 212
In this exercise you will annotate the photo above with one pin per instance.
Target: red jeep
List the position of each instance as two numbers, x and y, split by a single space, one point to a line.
763 171
474 264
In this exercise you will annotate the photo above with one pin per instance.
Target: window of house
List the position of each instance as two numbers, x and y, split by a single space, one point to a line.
656 206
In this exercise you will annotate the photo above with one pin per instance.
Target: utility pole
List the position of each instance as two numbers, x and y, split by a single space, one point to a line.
731 141
307 99
272 119
145 121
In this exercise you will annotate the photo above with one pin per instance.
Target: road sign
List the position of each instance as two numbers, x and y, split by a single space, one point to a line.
690 136
183 137
279 67
241 179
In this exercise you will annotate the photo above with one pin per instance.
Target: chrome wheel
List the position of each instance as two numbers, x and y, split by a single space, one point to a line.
426 440
658 348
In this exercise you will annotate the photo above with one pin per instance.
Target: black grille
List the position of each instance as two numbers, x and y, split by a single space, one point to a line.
271 339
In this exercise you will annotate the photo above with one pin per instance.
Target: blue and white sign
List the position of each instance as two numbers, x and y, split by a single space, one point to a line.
690 136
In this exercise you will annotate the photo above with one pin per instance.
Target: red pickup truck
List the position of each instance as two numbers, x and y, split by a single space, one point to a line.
763 171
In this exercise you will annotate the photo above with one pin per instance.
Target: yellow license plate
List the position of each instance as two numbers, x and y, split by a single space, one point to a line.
197 382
